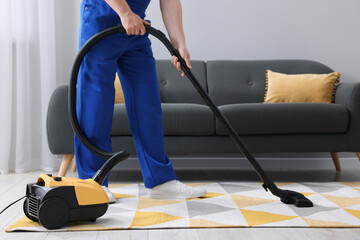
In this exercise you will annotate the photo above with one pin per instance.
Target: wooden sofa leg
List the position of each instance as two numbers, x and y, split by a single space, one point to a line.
358 155
335 158
73 166
65 163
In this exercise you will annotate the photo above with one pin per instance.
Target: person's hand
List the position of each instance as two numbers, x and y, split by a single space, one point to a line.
133 23
184 53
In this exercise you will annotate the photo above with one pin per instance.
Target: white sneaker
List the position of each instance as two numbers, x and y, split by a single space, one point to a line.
175 189
111 196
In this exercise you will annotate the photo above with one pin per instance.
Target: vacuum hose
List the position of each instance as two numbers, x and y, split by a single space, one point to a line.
286 196
112 158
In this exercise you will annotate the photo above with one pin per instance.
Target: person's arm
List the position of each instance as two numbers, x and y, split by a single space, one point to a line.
132 22
171 11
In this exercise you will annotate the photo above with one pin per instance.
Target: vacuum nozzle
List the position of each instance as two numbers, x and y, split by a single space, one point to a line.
287 196
298 199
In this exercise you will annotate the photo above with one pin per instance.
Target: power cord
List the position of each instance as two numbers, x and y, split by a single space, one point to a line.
12 204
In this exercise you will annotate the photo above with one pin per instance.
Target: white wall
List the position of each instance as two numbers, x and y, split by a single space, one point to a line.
324 30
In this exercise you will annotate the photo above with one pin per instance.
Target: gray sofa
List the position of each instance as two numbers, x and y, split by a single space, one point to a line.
237 88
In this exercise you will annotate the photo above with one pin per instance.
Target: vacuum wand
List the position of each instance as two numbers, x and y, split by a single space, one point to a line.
286 196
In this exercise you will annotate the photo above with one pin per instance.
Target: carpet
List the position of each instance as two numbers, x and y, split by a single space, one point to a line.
227 204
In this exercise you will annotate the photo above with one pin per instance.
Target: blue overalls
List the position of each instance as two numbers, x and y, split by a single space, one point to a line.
131 56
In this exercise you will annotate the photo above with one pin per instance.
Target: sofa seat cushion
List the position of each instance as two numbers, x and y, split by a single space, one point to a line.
282 118
178 119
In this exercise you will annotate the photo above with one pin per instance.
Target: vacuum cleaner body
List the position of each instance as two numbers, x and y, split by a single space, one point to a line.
53 201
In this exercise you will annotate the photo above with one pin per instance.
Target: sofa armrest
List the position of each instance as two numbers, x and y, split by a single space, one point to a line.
348 94
59 132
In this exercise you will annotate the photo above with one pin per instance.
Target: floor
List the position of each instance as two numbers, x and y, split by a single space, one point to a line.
12 187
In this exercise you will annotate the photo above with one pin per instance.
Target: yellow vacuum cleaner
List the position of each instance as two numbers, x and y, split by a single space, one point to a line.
53 201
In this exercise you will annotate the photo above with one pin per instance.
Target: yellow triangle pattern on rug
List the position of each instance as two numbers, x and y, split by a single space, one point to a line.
196 223
23 222
323 223
227 204
144 219
355 213
119 195
88 227
245 201
254 218
343 201
149 202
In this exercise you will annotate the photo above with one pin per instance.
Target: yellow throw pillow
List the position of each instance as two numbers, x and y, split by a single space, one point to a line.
300 87
119 95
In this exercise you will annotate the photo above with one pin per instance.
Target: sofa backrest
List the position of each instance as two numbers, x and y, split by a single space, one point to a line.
176 89
239 81
227 81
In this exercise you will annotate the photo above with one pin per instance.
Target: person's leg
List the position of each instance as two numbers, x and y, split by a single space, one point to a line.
137 73
95 89
94 108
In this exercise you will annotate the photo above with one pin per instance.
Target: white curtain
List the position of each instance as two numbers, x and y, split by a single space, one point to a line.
28 78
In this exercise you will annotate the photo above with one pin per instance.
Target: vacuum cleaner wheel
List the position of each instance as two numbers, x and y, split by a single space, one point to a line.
54 213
